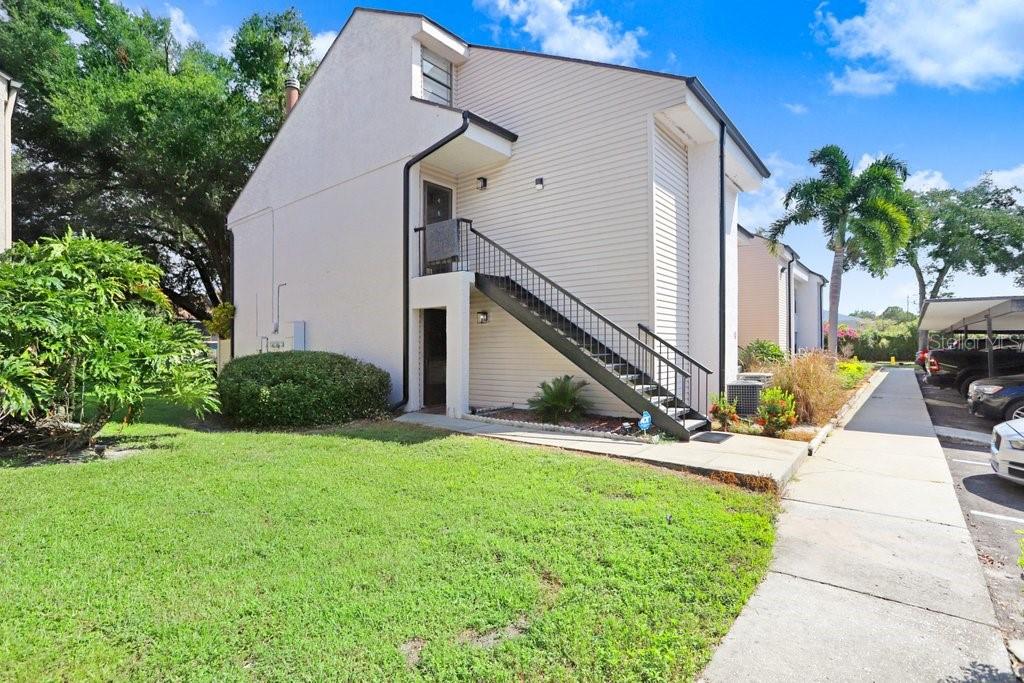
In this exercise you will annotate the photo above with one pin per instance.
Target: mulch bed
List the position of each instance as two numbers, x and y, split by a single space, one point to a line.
592 423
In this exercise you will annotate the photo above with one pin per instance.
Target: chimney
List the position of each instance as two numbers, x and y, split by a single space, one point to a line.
291 94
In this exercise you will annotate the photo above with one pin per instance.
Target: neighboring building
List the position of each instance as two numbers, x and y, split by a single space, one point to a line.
9 93
618 184
780 297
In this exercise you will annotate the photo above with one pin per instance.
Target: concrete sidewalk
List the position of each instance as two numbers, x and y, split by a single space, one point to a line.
875 577
753 460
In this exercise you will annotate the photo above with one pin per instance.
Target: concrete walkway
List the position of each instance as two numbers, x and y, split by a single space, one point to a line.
752 460
875 577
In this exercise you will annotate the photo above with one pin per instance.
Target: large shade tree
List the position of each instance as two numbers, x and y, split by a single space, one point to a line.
128 134
976 230
866 215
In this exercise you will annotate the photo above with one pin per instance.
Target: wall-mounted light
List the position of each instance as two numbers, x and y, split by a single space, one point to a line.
538 183
481 183
482 317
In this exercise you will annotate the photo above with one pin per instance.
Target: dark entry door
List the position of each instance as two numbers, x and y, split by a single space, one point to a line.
437 203
435 356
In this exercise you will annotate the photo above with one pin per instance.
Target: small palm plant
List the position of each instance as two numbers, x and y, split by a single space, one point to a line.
560 398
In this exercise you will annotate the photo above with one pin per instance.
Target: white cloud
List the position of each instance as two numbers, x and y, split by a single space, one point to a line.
952 43
922 181
322 43
560 28
856 81
225 41
1010 177
181 29
795 108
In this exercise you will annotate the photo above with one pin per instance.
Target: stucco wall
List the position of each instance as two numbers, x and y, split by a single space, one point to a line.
323 211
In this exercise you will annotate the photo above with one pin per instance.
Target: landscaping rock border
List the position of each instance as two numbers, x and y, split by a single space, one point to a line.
546 427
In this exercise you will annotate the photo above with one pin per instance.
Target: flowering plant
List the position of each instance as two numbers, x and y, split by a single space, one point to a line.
777 411
724 410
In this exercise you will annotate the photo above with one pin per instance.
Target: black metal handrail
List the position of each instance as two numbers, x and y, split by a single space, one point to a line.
697 391
653 374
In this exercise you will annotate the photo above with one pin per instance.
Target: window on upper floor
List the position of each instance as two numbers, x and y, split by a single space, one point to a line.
437 77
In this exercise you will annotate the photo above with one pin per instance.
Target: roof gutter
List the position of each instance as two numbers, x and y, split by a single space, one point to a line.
405 248
789 300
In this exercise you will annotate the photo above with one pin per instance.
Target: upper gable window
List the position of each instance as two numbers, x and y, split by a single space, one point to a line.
437 78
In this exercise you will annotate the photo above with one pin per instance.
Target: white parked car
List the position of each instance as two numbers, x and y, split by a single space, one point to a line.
1007 450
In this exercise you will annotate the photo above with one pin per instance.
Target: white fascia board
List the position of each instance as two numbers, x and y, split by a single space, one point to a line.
442 42
700 126
489 139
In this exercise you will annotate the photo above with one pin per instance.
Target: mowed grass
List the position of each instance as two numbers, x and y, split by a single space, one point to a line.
377 552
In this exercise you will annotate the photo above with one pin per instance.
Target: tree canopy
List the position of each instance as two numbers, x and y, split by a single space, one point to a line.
129 135
976 230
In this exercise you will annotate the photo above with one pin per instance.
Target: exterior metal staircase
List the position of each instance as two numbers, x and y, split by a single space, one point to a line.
645 372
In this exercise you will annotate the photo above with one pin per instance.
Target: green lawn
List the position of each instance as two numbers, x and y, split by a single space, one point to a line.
277 556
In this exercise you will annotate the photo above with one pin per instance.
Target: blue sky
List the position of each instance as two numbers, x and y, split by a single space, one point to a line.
938 83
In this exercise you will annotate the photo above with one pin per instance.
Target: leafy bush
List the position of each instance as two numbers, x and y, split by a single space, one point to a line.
759 353
851 372
814 382
724 410
301 389
776 412
883 338
221 318
560 398
85 331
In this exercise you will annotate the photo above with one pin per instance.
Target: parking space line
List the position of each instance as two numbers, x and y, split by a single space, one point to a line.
985 463
1018 520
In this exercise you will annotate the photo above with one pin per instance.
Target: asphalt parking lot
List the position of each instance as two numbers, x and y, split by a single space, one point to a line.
993 507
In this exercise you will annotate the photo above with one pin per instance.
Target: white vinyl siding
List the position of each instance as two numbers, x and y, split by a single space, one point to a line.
507 361
761 295
584 129
671 240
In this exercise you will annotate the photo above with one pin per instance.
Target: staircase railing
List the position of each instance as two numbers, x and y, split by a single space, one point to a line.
456 246
696 389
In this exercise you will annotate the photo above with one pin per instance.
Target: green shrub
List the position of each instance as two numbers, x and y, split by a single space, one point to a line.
221 317
881 339
86 331
759 353
560 398
776 412
724 410
301 388
851 372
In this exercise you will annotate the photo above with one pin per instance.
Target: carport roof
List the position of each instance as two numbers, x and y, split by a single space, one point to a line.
971 313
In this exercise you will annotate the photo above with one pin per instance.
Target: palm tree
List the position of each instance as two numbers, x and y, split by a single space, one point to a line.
867 217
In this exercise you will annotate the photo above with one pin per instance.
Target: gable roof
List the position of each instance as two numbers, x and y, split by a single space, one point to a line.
692 82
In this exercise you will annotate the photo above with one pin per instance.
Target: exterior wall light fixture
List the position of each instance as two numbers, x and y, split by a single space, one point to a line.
481 183
538 184
482 317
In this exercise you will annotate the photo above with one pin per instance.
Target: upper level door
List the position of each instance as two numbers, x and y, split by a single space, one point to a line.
437 203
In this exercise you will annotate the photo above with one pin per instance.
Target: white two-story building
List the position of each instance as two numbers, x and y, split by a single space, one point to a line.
475 220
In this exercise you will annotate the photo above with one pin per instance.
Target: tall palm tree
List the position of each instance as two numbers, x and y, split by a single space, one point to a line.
867 216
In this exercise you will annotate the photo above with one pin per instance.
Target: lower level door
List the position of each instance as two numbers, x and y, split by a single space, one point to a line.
435 356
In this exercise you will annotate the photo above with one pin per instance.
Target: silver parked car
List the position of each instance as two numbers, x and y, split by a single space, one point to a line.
1007 450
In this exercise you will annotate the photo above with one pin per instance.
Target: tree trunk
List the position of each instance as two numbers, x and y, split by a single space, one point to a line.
922 293
834 289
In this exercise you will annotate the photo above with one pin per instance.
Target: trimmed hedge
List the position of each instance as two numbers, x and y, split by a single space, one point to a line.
301 389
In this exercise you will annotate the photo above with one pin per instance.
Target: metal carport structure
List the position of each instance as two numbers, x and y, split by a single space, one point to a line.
990 314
